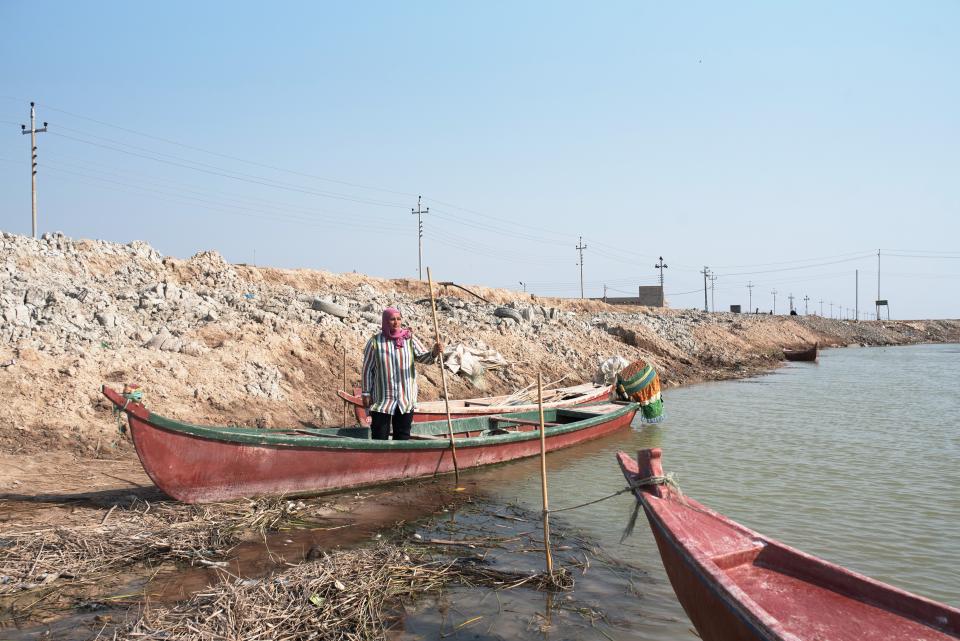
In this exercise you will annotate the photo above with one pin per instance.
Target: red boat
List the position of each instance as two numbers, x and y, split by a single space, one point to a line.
466 408
808 354
198 464
739 585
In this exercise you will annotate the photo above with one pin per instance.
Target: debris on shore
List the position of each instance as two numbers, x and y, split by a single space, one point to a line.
211 342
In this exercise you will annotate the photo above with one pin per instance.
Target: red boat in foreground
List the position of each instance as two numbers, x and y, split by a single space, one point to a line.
198 464
738 585
465 408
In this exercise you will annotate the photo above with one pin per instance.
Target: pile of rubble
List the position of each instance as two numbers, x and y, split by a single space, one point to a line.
221 343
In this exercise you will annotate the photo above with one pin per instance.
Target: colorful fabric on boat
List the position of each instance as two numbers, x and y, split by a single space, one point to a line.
389 375
639 382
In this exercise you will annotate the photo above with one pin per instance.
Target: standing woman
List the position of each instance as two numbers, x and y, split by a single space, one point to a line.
389 376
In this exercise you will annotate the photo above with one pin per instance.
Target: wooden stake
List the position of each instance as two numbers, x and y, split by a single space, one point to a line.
345 385
443 377
543 478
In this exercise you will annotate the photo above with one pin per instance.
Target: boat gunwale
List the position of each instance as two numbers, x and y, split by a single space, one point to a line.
278 437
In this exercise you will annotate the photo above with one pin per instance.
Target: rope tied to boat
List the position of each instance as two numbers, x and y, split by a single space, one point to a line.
668 480
133 393
574 507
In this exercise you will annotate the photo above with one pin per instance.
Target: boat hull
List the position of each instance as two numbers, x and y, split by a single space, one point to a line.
805 355
198 464
738 585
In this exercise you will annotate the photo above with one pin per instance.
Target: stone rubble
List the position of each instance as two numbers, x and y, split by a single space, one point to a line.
235 344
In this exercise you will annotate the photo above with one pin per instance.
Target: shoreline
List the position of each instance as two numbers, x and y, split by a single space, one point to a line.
215 343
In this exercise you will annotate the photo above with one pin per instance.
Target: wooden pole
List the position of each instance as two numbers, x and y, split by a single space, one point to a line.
443 377
345 385
543 478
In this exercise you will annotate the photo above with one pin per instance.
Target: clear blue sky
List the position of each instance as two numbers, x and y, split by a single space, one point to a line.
781 144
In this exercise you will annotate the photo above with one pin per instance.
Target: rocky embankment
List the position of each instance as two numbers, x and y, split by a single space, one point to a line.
212 342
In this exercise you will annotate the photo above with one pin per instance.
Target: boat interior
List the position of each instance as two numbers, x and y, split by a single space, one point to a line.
838 603
560 394
479 426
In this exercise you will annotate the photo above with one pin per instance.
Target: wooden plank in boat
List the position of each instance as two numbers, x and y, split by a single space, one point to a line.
429 437
521 421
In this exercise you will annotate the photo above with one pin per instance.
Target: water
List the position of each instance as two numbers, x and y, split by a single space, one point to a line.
853 459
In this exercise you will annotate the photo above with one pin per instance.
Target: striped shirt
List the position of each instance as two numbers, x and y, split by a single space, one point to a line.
389 376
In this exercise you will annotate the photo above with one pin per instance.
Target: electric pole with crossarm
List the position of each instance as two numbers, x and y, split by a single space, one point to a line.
33 131
580 249
661 266
419 212
706 275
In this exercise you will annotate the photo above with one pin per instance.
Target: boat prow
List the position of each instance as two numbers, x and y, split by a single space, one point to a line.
736 584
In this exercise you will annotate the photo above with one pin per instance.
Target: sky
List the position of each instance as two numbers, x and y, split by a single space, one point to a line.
781 145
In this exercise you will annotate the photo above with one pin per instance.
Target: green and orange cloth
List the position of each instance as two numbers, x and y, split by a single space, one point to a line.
639 382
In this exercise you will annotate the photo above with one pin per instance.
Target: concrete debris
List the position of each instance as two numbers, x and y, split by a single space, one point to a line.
216 343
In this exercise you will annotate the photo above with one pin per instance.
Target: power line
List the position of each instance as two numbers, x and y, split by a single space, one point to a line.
246 178
220 207
785 269
799 260
229 157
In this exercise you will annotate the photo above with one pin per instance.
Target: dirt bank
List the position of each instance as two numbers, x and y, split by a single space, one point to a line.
212 342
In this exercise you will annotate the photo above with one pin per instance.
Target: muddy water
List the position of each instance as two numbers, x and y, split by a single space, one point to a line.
87 610
852 459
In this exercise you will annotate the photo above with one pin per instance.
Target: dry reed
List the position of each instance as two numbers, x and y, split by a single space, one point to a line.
139 533
345 595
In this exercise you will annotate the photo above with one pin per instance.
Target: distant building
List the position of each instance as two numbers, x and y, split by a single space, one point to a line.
647 295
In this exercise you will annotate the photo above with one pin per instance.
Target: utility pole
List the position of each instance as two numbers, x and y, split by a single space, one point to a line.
33 163
774 292
878 287
791 301
604 292
821 308
580 249
419 213
750 287
713 305
661 266
706 273
806 308
856 297
831 309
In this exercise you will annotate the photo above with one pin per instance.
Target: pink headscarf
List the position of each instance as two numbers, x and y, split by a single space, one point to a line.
400 335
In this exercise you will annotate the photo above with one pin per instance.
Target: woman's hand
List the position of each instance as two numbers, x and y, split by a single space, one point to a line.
437 349
366 401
